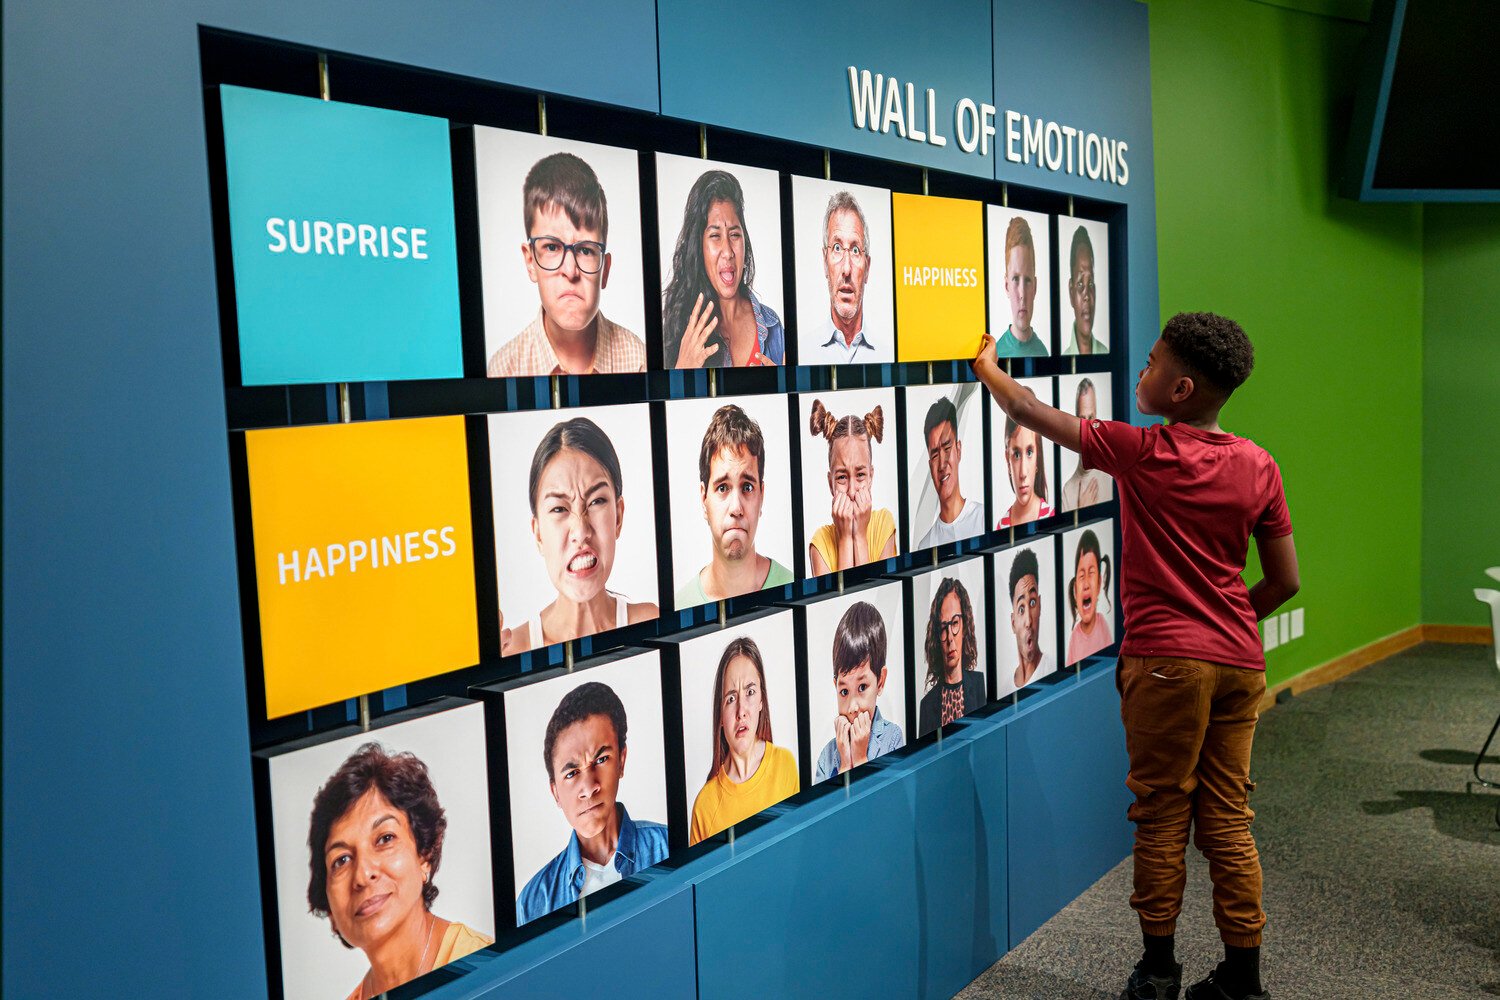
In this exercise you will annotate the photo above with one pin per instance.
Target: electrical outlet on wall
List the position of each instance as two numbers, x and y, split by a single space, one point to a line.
1285 625
1297 623
1272 634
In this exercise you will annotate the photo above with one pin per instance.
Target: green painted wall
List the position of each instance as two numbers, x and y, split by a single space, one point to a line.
1250 106
1461 410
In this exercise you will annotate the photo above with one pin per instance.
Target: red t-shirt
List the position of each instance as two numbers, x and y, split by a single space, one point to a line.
1189 502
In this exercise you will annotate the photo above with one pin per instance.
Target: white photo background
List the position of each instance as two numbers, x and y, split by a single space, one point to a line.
1098 233
969 573
998 223
692 542
314 964
525 588
922 499
817 497
822 621
1002 493
1108 607
810 197
1067 459
1007 652
675 176
502 159
700 668
539 831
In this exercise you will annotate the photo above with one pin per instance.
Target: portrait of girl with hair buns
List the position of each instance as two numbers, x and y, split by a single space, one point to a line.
858 532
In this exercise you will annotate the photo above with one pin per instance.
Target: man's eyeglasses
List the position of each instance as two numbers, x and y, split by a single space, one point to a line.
837 250
549 251
953 626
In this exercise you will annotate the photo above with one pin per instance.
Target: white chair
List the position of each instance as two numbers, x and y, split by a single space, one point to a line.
1492 598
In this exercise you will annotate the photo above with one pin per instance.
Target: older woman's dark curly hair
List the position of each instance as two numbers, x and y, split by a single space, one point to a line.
403 779
934 646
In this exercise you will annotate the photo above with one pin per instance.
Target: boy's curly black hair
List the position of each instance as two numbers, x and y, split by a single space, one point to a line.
1213 347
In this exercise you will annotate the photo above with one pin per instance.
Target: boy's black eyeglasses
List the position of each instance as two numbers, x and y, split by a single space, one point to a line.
549 252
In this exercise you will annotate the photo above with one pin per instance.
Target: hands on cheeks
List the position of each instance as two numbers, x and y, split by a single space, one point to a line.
694 349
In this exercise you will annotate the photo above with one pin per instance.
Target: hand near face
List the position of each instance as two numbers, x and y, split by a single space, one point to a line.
863 502
859 737
1089 493
845 515
842 731
505 633
694 349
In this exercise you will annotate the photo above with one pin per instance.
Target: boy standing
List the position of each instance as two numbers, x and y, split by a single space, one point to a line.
566 256
1191 672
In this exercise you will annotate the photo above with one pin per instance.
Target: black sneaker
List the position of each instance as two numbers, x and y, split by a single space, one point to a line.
1209 989
1141 986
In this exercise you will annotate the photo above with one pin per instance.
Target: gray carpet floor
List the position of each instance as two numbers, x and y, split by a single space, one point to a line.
1382 863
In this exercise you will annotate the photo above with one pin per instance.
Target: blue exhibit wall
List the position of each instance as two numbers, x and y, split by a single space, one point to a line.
129 848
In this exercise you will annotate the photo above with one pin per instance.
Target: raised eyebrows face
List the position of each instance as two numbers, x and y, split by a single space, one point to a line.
951 631
1082 292
587 765
724 249
1020 285
848 275
1025 616
1086 588
850 465
857 689
732 502
375 874
570 298
577 523
943 454
1021 451
739 712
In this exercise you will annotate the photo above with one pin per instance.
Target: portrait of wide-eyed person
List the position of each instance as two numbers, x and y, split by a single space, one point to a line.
944 464
850 481
952 662
1088 398
739 720
720 226
845 291
575 522
1088 565
382 852
1023 468
856 696
1020 287
1083 281
587 780
729 476
560 255
1026 614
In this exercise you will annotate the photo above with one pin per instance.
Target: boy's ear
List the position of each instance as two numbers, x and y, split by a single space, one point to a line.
880 683
1182 388
530 263
604 271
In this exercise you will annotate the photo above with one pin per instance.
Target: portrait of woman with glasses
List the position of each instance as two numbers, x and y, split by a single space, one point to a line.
711 314
566 255
955 682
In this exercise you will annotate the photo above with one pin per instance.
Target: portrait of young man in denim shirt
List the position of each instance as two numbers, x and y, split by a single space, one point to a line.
585 752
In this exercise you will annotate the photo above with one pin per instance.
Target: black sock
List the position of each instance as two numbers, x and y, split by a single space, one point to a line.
1159 958
1239 973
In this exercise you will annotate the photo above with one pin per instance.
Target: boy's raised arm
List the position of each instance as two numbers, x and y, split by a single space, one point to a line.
1021 404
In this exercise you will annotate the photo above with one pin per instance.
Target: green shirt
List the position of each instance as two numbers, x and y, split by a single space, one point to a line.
1010 347
691 594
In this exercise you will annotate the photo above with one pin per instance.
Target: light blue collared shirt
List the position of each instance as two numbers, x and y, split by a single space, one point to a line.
884 737
835 350
641 845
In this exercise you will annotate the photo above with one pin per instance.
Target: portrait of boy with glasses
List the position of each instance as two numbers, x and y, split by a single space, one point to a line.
566 254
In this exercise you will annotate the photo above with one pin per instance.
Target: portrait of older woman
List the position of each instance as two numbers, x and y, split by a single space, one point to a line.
711 314
375 842
576 492
749 772
955 682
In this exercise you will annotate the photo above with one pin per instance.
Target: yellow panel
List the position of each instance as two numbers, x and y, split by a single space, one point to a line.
364 557
940 283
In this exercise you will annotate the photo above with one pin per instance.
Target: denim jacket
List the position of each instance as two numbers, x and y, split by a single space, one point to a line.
641 845
769 334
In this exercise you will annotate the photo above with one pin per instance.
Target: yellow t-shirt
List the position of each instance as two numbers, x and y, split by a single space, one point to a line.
457 942
722 803
878 533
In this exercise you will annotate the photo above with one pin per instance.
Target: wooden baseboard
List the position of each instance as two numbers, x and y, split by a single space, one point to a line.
1362 657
